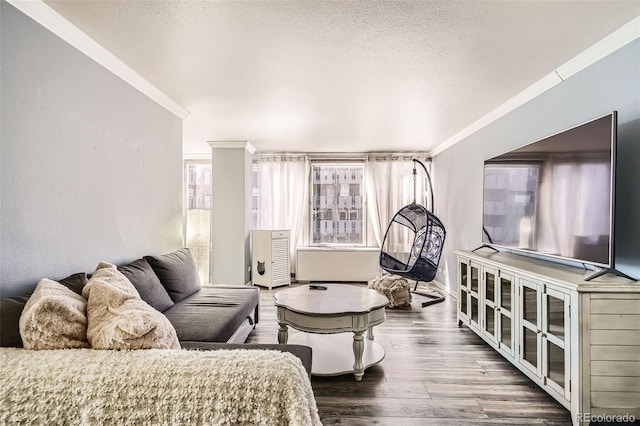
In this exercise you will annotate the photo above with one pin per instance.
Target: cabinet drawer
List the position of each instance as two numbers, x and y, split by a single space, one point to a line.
279 234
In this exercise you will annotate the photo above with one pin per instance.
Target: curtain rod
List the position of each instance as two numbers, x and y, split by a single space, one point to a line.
345 155
324 155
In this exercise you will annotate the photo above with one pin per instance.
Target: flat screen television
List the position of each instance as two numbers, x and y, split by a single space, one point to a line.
555 196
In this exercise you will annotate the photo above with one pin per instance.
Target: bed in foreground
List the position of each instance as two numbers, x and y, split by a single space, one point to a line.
88 386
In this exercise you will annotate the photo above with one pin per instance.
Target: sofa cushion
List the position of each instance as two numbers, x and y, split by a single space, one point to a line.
119 319
177 272
11 308
54 317
213 314
141 275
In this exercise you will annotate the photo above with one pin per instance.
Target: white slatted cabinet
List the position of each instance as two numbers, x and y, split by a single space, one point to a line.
270 258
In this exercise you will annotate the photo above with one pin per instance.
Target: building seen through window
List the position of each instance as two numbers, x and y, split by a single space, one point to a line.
198 214
337 203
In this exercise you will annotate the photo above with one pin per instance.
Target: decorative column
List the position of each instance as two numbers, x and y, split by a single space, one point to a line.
231 186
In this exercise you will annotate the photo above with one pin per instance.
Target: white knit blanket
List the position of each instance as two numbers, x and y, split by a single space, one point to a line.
154 387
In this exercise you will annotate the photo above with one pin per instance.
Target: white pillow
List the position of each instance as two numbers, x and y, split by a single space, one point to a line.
54 317
119 319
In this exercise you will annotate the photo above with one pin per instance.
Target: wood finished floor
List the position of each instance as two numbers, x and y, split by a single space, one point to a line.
434 373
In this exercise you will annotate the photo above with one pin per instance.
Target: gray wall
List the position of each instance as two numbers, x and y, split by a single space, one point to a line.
231 213
90 168
612 83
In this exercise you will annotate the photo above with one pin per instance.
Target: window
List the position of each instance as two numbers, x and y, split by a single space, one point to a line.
198 214
198 185
337 203
255 184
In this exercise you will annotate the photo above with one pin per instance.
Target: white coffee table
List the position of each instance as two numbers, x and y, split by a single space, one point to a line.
322 315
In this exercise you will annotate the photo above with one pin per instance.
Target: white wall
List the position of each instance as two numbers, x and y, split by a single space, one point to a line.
90 168
612 83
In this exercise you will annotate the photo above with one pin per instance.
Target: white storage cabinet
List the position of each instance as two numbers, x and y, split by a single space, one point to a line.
270 259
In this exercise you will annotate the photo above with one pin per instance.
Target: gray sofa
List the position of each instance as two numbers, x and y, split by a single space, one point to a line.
205 318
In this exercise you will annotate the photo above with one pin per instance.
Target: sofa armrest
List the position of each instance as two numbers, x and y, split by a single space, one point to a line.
301 351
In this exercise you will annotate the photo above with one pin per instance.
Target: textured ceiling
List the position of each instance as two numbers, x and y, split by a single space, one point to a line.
342 75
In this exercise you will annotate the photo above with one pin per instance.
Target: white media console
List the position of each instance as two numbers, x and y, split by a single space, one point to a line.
578 340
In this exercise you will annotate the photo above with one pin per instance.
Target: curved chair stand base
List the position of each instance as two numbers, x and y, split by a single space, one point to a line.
434 296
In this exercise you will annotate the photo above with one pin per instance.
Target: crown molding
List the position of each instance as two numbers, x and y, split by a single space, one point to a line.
619 38
57 24
614 41
232 144
197 156
537 88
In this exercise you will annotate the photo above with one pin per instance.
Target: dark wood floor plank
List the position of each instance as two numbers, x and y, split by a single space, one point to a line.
456 376
384 389
398 407
524 409
498 392
433 373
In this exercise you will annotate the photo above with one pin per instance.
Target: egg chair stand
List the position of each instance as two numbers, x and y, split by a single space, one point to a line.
421 263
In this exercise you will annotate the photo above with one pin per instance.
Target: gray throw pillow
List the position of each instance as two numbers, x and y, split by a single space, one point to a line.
177 272
75 282
141 275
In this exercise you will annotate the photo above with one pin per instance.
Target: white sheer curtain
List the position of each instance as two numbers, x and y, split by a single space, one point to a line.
283 195
389 183
581 220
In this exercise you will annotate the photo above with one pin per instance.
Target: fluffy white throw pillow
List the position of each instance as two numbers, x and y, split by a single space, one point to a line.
395 288
54 317
119 319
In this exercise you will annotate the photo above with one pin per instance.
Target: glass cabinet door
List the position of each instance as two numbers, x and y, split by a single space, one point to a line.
489 292
474 281
463 294
474 296
505 317
555 338
530 353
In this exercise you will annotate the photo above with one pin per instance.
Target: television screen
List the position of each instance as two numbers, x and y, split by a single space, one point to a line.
555 196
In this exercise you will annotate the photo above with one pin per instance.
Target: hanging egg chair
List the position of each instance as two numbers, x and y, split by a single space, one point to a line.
425 233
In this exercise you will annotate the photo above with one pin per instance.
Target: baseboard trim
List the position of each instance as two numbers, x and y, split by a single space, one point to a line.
445 289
